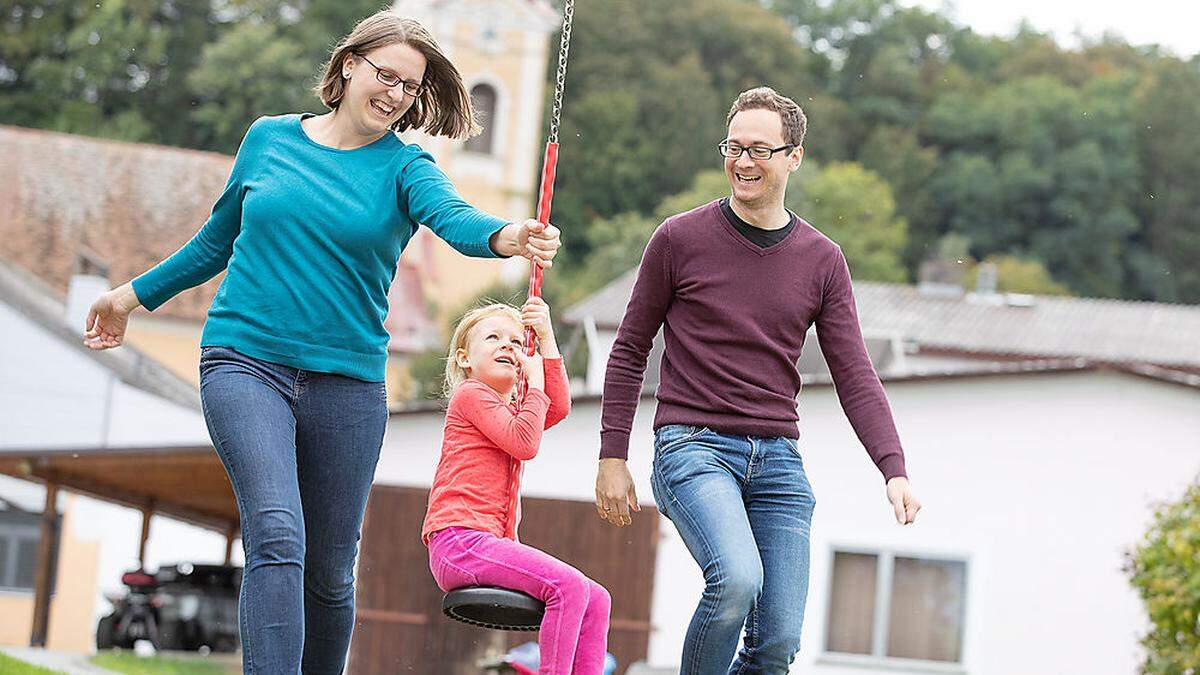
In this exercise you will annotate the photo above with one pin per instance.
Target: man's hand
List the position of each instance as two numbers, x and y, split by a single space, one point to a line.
902 499
615 494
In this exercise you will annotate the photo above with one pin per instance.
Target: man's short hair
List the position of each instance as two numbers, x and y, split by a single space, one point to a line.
766 98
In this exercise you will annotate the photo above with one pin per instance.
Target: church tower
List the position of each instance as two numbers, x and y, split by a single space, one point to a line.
502 48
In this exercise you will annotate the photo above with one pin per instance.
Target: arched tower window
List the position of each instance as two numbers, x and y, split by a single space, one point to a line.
483 97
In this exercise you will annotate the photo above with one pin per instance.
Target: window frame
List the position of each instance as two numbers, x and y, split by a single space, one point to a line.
13 534
885 559
491 127
16 526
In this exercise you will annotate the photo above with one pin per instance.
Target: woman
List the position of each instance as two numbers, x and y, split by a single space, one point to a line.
309 228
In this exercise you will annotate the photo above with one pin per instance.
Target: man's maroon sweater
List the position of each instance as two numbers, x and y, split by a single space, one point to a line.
734 318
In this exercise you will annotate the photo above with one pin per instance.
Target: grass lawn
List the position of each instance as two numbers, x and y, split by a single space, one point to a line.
126 662
11 666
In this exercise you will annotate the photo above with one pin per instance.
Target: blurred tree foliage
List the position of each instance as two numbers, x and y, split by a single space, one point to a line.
1077 164
1165 570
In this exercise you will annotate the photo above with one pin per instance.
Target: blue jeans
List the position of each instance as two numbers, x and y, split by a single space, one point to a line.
300 449
742 506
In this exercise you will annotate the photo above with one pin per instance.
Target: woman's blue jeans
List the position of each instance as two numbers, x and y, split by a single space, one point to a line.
743 507
300 449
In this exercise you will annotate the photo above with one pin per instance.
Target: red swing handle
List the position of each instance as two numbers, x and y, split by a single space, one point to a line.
545 197
549 167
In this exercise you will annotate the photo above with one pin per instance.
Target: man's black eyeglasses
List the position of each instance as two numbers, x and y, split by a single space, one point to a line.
735 151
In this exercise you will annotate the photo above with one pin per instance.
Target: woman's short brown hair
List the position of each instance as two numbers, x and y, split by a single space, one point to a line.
766 98
443 108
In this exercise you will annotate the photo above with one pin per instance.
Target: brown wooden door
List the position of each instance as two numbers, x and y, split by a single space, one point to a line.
400 627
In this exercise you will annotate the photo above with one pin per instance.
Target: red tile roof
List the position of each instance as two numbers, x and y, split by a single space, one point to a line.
128 206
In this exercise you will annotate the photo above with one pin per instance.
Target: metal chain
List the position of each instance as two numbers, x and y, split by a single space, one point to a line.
560 78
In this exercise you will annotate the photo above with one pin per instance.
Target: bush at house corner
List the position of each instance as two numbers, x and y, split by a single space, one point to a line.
1165 569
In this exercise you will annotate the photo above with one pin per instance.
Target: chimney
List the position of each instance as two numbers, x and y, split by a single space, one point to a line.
941 278
985 284
81 293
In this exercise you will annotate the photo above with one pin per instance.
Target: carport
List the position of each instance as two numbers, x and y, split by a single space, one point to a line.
187 483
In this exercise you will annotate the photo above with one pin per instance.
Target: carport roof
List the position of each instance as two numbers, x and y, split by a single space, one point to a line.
184 482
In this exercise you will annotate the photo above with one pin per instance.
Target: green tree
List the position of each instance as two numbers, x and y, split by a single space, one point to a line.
1015 274
854 207
643 114
1044 169
616 244
251 71
1168 117
112 69
706 186
851 205
1165 570
897 155
316 25
427 374
33 51
884 61
94 71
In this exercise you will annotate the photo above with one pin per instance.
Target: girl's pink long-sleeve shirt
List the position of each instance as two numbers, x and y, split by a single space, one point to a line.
484 444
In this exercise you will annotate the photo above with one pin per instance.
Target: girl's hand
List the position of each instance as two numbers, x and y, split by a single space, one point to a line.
109 317
535 313
533 370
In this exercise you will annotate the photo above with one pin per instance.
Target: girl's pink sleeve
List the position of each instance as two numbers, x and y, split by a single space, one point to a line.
559 391
519 434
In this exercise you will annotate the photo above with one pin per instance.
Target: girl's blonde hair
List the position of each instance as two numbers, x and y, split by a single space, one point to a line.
455 375
443 108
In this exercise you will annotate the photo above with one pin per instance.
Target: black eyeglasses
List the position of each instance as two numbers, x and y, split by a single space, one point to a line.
734 151
393 80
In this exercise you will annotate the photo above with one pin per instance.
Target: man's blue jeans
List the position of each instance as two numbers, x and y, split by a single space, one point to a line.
300 449
743 507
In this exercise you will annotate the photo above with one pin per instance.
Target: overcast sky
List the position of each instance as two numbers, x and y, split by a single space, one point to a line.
1174 24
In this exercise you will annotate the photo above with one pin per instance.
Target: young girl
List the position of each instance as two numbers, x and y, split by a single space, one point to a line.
474 505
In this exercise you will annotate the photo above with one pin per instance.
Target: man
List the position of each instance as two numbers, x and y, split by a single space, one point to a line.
736 284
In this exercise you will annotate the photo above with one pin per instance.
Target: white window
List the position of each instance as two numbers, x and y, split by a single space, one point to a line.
18 557
483 98
885 605
20 532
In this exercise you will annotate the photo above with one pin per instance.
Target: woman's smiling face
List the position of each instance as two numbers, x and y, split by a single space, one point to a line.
372 105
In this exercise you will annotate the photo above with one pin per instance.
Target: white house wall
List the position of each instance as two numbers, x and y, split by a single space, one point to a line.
1040 482
55 396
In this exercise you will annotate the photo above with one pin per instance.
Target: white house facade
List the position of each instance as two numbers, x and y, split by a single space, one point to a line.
1035 480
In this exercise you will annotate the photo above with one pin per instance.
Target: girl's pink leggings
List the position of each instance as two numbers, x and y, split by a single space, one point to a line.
574 633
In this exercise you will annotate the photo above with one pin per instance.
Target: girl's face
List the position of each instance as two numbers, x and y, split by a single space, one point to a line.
372 105
492 352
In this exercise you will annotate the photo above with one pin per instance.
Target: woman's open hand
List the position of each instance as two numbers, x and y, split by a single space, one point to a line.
109 317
